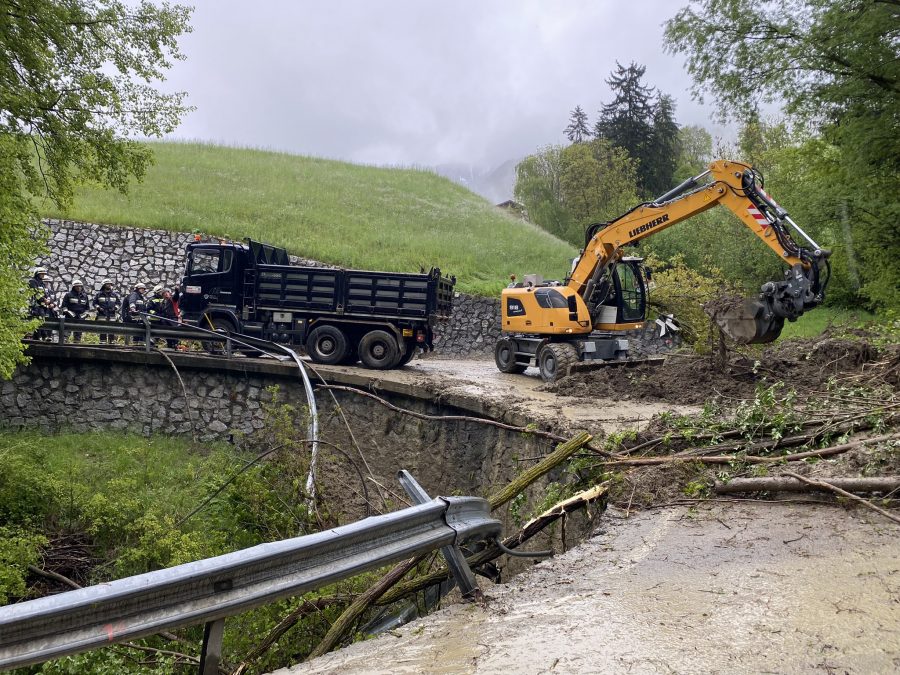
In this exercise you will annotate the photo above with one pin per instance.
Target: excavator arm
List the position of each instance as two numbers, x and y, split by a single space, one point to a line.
739 188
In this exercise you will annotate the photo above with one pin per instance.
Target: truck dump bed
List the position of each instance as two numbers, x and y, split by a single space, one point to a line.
351 292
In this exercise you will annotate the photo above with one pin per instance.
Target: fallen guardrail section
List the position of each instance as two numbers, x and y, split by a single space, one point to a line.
208 591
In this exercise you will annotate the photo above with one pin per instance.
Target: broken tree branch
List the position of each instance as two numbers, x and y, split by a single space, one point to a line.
773 484
749 459
306 608
527 477
843 493
349 616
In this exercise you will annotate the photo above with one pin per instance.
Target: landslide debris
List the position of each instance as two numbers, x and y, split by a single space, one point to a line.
804 364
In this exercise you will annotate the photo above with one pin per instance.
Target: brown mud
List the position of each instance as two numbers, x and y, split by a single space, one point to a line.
802 364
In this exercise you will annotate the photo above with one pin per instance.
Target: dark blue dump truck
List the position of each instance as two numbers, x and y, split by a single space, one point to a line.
339 316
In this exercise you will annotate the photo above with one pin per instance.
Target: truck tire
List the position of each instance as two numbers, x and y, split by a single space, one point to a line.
505 357
554 360
327 344
407 357
222 324
378 349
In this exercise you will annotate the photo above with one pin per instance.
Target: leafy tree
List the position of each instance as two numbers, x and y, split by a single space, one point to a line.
598 182
628 120
565 189
694 151
538 189
833 64
76 87
663 147
577 131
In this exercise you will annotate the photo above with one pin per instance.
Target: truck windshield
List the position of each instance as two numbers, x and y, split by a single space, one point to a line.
210 261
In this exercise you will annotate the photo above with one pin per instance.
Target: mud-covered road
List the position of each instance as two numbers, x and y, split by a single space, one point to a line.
722 588
450 379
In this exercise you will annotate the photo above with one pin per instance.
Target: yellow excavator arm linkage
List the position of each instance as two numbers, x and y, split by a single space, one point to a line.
649 219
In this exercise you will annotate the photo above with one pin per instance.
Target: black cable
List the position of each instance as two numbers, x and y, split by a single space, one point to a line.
521 554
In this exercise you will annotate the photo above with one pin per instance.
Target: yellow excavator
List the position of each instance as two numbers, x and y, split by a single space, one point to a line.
556 325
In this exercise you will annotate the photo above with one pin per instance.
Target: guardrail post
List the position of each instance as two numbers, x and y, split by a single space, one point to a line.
211 654
455 559
61 338
148 339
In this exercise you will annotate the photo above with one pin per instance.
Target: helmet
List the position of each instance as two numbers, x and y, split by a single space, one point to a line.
77 282
106 282
140 284
158 288
166 290
40 270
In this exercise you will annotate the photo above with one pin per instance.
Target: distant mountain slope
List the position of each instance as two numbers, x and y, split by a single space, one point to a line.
496 185
340 213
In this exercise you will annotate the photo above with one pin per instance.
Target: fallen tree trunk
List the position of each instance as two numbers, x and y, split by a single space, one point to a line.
749 459
788 484
843 493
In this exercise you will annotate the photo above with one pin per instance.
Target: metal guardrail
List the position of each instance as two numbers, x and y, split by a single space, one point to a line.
145 331
212 589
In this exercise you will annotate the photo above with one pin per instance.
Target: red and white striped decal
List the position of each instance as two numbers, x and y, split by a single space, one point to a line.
769 197
759 217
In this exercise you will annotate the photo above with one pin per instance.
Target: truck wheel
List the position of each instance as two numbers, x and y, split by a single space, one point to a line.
554 360
378 349
220 324
408 356
326 344
505 357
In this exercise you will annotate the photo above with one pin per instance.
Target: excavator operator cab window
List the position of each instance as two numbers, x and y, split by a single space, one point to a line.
550 298
630 291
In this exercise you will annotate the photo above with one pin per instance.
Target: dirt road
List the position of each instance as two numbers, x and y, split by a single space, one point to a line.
725 588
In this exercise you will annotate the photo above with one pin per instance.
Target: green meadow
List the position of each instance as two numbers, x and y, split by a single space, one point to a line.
344 214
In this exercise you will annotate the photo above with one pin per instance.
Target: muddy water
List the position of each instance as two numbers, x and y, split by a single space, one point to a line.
727 588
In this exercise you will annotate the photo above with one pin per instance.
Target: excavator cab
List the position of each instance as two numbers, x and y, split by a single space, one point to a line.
624 303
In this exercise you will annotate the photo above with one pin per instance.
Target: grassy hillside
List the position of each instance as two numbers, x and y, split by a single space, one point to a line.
343 214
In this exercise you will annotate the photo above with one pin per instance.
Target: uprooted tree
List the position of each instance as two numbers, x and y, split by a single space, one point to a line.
76 87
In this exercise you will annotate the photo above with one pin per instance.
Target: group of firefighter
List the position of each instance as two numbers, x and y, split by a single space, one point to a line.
137 307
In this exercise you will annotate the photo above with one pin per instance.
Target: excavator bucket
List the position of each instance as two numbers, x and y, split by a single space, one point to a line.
745 320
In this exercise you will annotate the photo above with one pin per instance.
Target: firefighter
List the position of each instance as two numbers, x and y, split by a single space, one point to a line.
167 311
75 304
154 299
107 303
134 308
42 305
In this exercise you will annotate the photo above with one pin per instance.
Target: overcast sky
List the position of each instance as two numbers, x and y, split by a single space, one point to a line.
405 82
